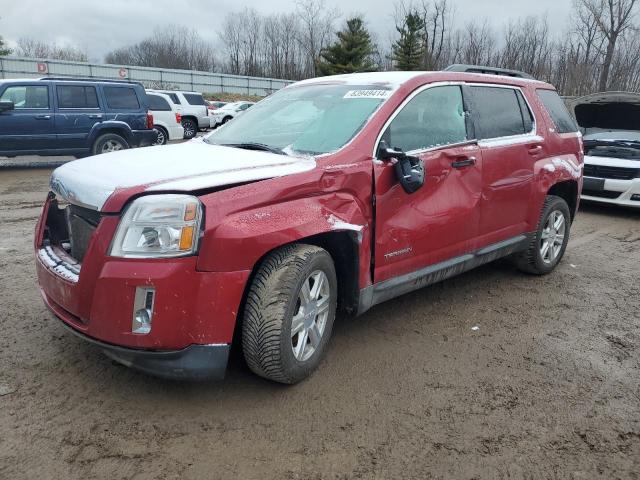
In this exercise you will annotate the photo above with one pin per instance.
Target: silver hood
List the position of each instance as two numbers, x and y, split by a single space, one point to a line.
185 167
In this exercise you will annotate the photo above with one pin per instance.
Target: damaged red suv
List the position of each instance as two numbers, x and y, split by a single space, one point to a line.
335 193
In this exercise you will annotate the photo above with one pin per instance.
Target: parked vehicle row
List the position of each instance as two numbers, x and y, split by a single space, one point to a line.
330 195
228 112
80 117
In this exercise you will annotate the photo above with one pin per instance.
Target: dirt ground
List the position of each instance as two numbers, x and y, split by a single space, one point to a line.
547 387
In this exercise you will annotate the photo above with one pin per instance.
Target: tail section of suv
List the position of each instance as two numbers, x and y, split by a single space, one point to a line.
72 117
195 113
364 187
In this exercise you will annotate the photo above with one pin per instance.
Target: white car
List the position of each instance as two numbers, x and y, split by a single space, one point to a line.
167 117
195 114
612 168
611 134
225 113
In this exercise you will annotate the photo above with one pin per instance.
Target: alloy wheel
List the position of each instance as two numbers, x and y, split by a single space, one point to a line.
310 317
111 146
552 237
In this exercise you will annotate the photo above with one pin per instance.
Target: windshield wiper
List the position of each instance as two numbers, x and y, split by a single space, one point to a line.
263 147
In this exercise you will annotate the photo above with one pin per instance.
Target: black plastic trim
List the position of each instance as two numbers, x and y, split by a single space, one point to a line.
195 362
394 287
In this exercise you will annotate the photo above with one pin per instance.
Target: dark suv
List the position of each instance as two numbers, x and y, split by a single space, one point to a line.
52 116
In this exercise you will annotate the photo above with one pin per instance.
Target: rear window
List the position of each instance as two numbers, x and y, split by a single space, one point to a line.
121 98
558 111
194 98
499 112
157 103
75 96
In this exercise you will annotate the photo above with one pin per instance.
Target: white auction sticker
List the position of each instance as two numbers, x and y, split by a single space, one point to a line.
367 94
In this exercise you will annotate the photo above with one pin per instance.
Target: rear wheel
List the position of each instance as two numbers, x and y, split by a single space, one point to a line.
549 243
109 142
190 128
163 135
289 313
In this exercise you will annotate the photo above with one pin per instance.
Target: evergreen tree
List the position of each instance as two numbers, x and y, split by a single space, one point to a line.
350 53
409 49
4 49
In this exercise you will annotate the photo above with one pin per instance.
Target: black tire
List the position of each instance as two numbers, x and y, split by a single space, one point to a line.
104 142
226 119
531 260
272 301
163 135
190 128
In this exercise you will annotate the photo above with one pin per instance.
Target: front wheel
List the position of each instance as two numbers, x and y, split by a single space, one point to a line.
289 313
549 243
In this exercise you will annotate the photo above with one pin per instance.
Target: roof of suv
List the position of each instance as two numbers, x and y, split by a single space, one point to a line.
69 79
396 79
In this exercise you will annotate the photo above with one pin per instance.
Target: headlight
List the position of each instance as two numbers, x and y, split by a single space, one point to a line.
158 226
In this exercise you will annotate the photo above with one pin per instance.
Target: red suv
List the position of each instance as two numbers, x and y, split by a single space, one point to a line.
334 193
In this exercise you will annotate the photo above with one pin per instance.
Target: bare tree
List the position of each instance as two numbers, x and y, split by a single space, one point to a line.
317 30
613 18
169 47
31 48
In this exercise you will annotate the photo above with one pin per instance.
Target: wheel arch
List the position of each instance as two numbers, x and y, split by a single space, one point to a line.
343 247
568 191
115 127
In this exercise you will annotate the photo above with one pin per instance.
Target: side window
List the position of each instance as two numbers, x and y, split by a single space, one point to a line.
527 116
558 111
194 99
433 118
27 96
498 113
174 98
75 96
121 98
158 104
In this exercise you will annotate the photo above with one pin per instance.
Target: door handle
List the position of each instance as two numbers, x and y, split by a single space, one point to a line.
535 149
464 162
43 117
95 115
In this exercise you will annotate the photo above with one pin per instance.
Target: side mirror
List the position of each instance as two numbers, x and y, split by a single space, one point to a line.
6 105
387 153
409 170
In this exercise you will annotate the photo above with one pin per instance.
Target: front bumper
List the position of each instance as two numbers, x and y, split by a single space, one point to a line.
143 138
622 192
195 362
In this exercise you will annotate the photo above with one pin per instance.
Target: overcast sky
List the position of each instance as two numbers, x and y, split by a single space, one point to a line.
99 26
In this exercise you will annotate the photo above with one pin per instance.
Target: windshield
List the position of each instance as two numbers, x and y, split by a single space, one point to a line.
309 119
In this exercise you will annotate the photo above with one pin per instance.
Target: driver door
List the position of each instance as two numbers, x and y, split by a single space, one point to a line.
440 220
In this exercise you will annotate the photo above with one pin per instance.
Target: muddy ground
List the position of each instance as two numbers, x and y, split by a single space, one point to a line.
547 387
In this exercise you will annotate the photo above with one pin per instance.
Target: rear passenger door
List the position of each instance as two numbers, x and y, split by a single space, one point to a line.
505 128
30 125
78 110
439 221
123 104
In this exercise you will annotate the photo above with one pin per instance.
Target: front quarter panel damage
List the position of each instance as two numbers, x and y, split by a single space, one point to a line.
245 223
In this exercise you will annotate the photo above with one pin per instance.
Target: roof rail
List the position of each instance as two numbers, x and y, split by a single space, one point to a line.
88 79
458 67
